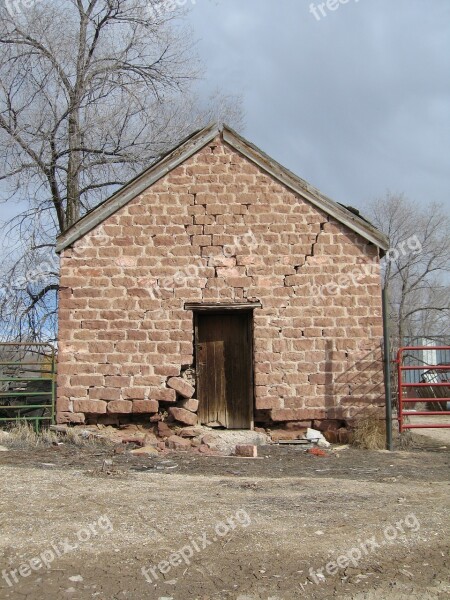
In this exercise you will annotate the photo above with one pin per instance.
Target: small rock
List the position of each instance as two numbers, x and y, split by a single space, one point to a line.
163 429
313 434
331 436
137 441
247 450
175 442
203 449
191 432
316 452
209 439
145 451
322 443
76 578
150 439
107 463
344 435
3 449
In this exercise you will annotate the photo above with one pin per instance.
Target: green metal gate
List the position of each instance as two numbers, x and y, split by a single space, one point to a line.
27 382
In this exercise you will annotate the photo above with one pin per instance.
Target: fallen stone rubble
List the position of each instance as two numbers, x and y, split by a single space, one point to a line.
181 433
160 438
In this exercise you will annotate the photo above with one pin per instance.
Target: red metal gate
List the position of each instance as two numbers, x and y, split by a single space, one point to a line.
432 389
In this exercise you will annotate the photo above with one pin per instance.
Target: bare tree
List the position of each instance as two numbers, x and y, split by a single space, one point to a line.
91 92
417 265
433 322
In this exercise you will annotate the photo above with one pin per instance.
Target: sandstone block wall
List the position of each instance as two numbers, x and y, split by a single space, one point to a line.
219 229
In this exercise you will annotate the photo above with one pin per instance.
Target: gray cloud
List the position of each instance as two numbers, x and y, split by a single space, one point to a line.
356 103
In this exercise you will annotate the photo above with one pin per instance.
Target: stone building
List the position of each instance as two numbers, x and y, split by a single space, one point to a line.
218 285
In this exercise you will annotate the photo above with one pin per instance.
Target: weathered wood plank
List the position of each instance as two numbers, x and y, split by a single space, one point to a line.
224 369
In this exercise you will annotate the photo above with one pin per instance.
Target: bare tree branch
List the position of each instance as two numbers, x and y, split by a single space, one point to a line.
91 93
417 266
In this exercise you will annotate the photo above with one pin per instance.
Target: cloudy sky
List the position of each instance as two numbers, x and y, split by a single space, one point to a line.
356 101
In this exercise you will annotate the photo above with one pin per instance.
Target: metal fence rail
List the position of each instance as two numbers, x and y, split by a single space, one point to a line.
27 382
430 387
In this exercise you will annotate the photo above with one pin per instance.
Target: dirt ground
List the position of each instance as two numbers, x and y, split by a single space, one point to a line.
439 435
87 523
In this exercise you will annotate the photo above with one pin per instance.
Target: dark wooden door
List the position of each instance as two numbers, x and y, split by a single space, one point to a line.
224 369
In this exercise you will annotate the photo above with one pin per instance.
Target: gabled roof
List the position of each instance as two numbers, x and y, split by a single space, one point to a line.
188 148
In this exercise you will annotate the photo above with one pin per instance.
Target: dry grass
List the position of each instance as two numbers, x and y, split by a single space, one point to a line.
369 433
404 441
80 438
21 435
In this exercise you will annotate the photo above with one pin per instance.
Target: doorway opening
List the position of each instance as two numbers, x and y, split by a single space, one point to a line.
224 365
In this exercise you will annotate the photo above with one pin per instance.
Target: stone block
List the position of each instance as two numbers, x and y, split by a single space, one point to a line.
90 406
278 435
183 416
63 404
190 404
181 386
69 417
247 450
145 406
164 395
120 406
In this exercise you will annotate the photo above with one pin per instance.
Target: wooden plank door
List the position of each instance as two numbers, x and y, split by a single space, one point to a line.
224 369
